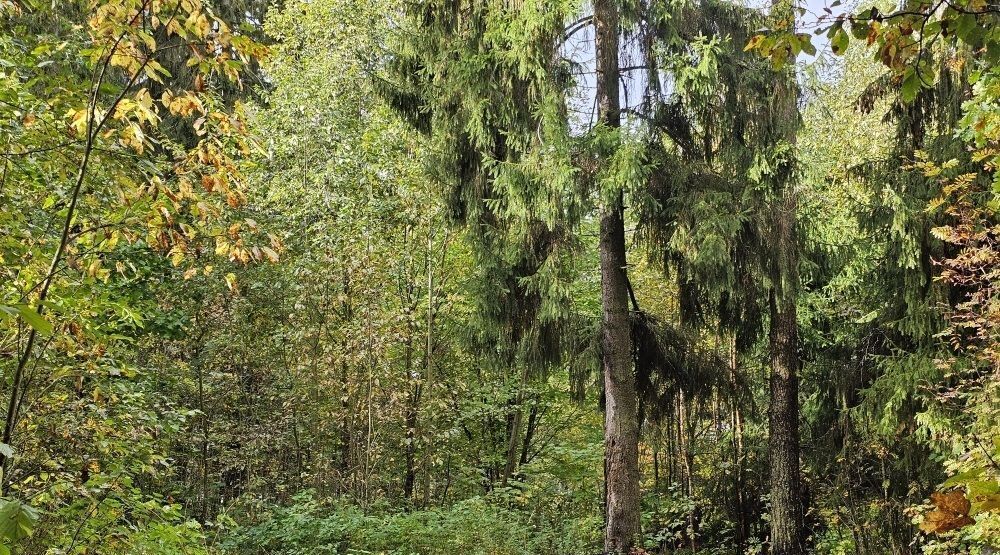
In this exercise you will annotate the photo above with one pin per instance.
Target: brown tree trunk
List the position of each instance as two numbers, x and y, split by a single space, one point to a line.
346 432
621 417
787 528
203 417
787 522
410 449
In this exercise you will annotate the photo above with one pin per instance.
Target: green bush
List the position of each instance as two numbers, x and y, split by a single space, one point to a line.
474 526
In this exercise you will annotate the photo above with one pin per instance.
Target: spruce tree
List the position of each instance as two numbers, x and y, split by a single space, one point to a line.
724 220
787 525
485 85
710 141
621 411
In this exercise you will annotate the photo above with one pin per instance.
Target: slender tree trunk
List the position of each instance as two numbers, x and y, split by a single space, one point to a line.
685 428
346 433
671 448
346 430
656 470
514 428
529 432
410 422
204 442
621 418
411 474
741 512
426 384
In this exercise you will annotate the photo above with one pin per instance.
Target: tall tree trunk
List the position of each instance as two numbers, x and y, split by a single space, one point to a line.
346 414
410 422
656 469
740 509
621 417
203 517
428 377
346 431
787 526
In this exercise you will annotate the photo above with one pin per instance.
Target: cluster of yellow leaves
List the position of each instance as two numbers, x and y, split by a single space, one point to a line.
234 246
187 200
126 30
185 104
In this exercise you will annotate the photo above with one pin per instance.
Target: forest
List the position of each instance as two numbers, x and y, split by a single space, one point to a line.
499 277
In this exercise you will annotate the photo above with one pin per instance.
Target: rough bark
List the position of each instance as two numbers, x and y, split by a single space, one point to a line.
787 530
621 426
787 522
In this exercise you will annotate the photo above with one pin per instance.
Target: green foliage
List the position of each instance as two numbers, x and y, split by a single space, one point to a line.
102 198
475 525
17 521
904 39
344 297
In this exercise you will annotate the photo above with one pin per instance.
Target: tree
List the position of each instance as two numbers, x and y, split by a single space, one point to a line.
621 412
787 525
96 193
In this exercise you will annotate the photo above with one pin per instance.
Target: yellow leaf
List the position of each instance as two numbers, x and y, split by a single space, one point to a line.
270 254
753 42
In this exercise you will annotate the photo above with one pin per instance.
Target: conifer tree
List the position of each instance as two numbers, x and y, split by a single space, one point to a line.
691 150
736 261
783 446
787 526
484 84
621 411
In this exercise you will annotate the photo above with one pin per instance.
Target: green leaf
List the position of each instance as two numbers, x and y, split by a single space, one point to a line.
805 43
832 30
17 520
839 41
967 29
962 478
34 319
860 29
6 450
911 85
